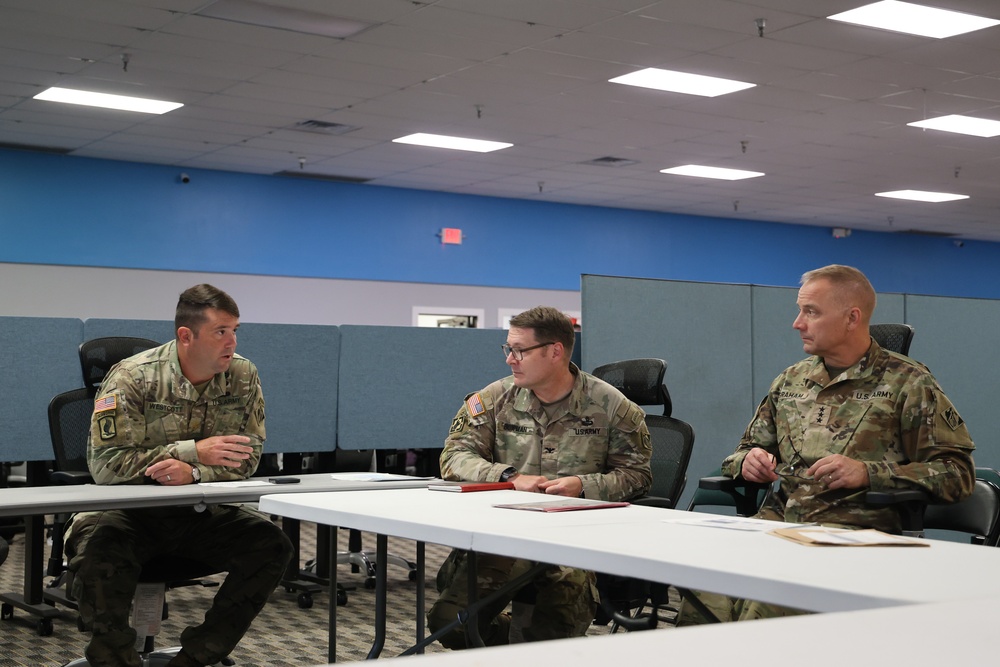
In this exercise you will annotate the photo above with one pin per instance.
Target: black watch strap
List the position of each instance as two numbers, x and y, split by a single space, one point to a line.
507 474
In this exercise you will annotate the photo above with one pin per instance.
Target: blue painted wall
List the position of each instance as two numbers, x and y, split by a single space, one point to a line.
85 212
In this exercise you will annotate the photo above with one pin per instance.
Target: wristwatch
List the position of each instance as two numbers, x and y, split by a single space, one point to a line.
195 474
507 474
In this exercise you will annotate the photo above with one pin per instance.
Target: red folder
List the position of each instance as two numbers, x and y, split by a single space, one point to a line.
466 487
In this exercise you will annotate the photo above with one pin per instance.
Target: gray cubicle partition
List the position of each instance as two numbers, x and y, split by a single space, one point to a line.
724 344
400 387
298 366
38 359
955 339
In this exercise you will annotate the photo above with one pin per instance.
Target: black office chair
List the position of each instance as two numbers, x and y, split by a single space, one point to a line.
893 337
715 491
977 516
625 599
350 460
98 355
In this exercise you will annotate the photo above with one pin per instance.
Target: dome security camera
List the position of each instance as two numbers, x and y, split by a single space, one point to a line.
185 178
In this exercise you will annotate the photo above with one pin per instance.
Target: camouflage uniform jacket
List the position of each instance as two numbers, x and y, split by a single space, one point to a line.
601 438
887 411
147 411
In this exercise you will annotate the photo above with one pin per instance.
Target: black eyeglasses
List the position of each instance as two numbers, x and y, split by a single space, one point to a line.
519 354
795 468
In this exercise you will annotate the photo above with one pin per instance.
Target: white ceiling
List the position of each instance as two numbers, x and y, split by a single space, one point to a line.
826 121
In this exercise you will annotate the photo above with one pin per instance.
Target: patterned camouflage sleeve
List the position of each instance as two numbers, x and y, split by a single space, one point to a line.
937 446
760 432
629 451
468 449
117 451
250 423
121 444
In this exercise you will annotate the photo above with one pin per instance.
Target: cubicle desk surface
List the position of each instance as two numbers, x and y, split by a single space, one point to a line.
631 540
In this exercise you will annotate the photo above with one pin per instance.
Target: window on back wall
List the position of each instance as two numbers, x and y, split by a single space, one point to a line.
447 317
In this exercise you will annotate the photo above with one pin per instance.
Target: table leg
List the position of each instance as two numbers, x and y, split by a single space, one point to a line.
332 630
381 584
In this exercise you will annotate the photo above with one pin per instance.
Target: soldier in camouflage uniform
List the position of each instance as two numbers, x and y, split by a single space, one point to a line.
548 428
187 411
850 418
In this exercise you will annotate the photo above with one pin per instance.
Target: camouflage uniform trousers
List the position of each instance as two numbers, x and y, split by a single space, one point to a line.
564 605
728 609
106 552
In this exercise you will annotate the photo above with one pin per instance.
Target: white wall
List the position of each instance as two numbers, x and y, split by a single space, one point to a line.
33 290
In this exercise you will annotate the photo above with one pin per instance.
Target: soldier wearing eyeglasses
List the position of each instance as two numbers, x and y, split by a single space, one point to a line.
547 428
851 417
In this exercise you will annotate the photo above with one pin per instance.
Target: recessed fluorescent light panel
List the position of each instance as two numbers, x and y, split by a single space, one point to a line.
107 101
977 127
920 195
455 143
681 82
711 172
914 19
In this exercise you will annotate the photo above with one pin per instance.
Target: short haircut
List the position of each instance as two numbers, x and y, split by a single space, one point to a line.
854 289
549 325
194 301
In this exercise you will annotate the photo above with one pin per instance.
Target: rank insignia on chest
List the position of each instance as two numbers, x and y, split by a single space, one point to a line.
820 415
474 404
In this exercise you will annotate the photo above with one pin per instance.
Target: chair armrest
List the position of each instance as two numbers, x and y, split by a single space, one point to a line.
743 492
655 501
910 503
71 477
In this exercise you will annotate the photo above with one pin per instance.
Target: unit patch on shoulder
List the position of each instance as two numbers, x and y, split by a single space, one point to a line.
106 425
109 402
474 404
952 418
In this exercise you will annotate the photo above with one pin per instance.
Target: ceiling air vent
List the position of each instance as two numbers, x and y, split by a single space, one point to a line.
924 232
610 162
322 127
37 149
295 173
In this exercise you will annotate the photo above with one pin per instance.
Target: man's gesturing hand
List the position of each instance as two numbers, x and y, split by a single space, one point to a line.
224 450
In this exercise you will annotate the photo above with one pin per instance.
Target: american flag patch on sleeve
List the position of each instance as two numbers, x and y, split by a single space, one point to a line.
474 404
109 402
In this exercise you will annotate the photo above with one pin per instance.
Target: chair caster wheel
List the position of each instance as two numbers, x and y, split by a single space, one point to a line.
341 598
370 583
305 600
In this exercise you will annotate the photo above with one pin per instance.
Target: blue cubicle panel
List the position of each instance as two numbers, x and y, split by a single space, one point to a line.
39 359
400 387
776 345
702 330
161 331
299 366
956 339
723 344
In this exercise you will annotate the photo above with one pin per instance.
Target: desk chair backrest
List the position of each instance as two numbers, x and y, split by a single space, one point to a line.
978 515
69 426
641 381
893 337
98 355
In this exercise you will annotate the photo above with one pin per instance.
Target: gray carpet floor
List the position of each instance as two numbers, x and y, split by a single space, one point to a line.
283 634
